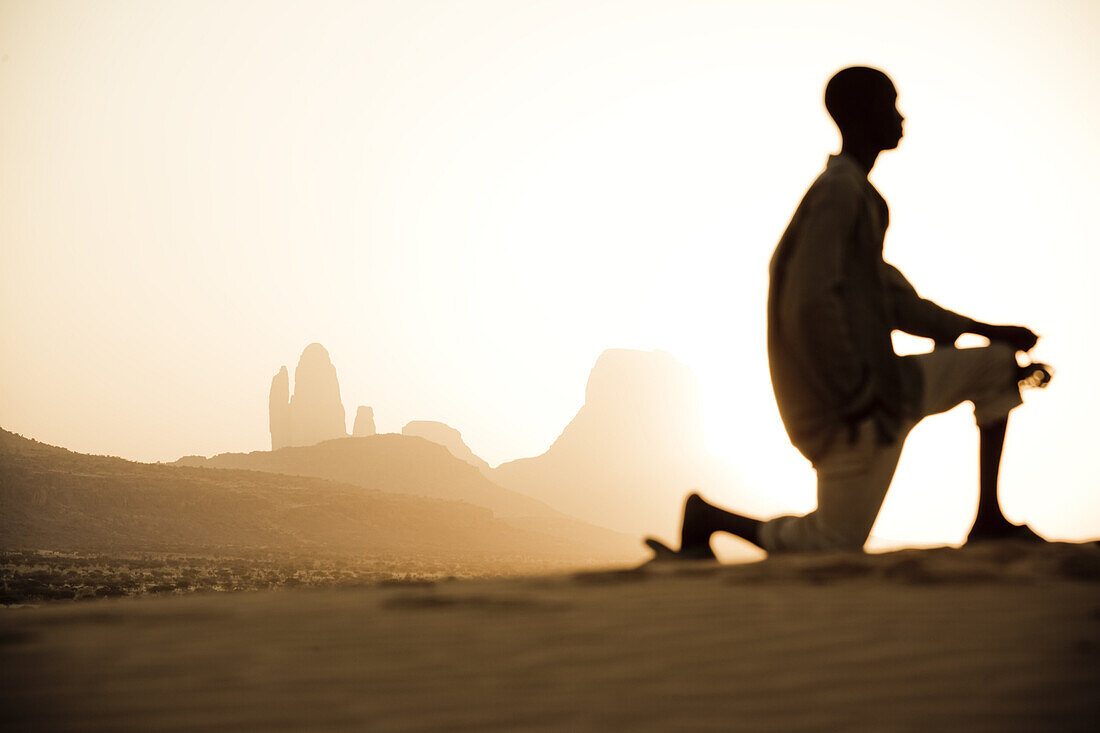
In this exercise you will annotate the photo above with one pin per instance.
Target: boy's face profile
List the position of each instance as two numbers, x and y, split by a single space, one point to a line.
885 119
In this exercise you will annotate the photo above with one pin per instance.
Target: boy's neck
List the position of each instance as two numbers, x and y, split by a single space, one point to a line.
864 155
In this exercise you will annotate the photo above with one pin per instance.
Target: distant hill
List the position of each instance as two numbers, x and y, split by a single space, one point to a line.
397 464
52 498
632 452
447 437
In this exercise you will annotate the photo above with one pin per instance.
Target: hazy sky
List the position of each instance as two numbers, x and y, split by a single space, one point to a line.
466 202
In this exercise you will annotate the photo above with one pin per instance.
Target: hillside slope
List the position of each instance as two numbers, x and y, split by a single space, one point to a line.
397 464
633 451
52 498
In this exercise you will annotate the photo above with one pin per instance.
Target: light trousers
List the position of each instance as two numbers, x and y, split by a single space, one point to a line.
854 475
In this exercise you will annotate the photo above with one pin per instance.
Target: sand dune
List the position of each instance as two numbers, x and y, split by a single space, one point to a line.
1002 638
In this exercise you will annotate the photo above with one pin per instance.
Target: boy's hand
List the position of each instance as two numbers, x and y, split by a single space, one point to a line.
1022 339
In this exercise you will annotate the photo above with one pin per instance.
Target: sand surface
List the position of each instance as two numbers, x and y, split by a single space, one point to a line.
1003 638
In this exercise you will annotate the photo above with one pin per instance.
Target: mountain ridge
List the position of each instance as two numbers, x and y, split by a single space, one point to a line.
54 498
633 450
395 460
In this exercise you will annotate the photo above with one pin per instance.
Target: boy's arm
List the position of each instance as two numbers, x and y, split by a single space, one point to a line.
921 317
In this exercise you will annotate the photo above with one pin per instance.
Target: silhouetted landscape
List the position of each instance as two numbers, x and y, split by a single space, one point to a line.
582 365
355 509
436 516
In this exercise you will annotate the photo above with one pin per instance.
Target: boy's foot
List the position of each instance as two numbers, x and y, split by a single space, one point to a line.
661 551
1018 532
664 553
1036 375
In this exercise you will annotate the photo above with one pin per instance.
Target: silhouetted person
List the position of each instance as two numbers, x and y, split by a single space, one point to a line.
846 399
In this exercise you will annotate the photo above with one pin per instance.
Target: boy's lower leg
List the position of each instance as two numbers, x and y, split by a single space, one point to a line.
990 523
990 520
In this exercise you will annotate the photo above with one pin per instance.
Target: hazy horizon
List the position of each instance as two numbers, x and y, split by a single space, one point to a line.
467 204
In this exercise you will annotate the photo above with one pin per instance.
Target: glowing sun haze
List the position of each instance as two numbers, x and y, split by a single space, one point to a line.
467 202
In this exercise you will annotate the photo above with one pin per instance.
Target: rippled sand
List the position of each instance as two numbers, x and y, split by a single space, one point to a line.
1000 638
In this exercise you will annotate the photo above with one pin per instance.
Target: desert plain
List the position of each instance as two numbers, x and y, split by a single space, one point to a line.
1001 637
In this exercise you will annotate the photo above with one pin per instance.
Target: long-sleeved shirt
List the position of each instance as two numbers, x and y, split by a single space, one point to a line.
832 305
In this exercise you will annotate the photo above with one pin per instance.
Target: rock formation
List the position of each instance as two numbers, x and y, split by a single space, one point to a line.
314 413
278 409
633 451
364 422
447 437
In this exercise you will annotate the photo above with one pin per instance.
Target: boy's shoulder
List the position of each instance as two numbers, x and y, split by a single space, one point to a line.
836 188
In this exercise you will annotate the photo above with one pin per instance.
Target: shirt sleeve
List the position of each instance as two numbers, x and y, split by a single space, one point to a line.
821 277
916 315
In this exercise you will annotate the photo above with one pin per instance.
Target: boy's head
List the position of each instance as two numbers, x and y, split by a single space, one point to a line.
863 103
